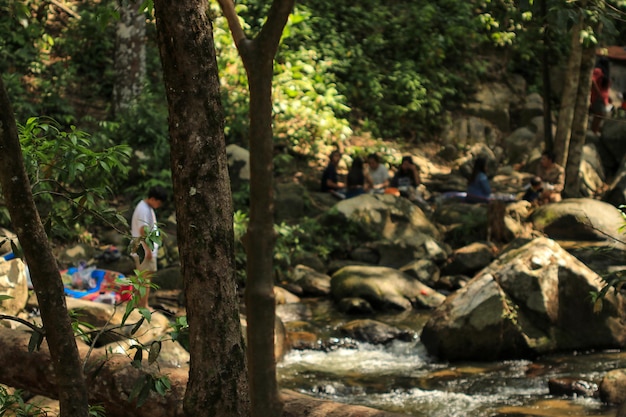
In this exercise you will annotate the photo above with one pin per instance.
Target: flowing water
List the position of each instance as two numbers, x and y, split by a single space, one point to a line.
403 378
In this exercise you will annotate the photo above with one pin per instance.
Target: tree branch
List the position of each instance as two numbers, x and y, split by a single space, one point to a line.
272 30
228 9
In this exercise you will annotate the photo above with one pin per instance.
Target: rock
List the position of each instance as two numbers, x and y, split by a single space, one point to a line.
374 332
303 340
493 103
281 342
354 305
13 283
309 259
469 259
168 278
381 215
399 252
531 108
283 296
290 202
613 134
313 283
613 387
518 144
580 219
366 255
423 270
616 193
468 130
572 387
384 288
530 301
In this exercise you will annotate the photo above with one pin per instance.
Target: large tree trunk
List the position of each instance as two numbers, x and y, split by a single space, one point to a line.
130 55
217 376
258 58
72 392
113 383
568 97
579 125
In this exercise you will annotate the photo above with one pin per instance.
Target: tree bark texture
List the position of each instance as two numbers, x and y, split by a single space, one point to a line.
66 364
547 85
258 58
579 124
568 97
130 55
113 383
217 384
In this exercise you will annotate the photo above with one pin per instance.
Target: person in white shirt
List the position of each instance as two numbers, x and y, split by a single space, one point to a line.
377 172
144 221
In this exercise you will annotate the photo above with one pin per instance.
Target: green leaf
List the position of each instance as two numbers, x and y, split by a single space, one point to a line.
35 341
137 326
155 350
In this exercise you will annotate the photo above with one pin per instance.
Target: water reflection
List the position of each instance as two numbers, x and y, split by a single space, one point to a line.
401 377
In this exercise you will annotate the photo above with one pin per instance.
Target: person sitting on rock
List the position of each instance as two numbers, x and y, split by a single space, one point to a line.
533 191
553 177
357 180
407 178
330 179
478 188
377 172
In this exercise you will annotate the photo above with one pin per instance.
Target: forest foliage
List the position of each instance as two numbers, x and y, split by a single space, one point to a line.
394 70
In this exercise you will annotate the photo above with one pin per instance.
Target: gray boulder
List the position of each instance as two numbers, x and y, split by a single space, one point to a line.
580 219
469 259
532 300
313 283
384 288
384 216
399 252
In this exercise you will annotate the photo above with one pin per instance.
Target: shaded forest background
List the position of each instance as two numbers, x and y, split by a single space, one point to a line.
394 71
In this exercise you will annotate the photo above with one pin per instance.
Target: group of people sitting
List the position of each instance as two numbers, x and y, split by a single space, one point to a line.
545 187
372 176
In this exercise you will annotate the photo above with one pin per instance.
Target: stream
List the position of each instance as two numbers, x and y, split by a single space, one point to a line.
402 377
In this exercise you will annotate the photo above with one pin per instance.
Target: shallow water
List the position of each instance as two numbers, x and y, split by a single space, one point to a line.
401 377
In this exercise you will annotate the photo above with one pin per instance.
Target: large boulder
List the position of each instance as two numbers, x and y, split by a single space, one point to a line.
581 219
532 300
616 194
384 288
399 252
383 216
13 283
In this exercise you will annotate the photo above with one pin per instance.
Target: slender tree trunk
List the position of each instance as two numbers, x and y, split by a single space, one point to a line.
547 86
579 125
217 384
258 59
569 97
130 55
72 391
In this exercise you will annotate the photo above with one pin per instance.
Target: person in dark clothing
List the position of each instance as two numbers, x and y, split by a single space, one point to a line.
478 189
330 180
356 179
407 178
534 190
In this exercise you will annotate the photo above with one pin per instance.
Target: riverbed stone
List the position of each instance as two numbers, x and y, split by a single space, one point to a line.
469 259
14 284
613 386
581 219
572 387
386 289
399 252
374 332
531 300
313 283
